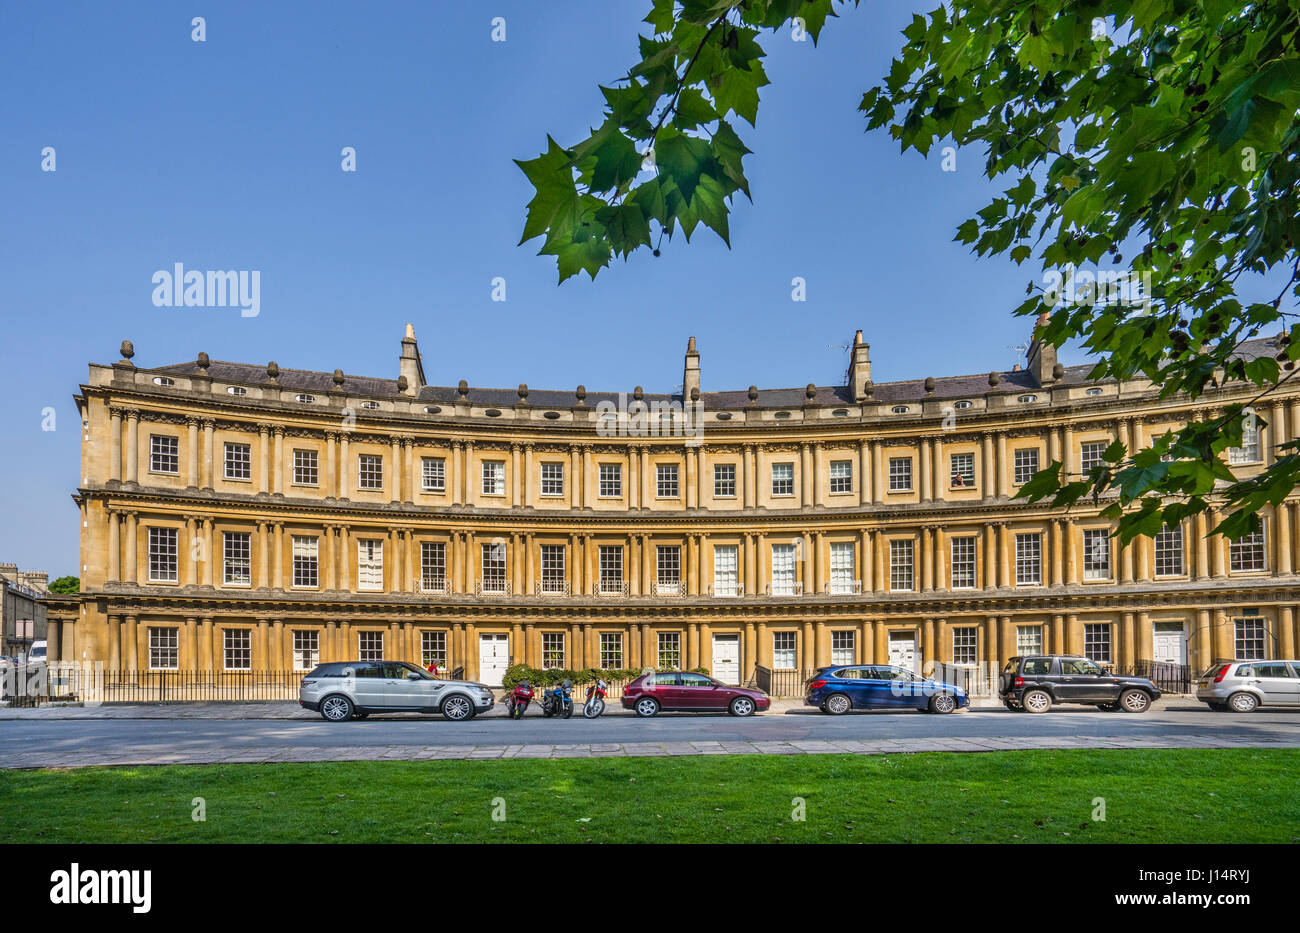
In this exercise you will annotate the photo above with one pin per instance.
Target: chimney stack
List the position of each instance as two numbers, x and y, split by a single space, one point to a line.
860 369
411 366
1042 355
691 374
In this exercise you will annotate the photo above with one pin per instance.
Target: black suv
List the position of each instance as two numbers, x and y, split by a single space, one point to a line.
1034 683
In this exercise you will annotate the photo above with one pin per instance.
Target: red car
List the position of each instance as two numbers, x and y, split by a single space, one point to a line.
688 692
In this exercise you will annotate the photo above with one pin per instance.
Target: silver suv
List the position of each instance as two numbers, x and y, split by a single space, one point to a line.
346 690
1243 686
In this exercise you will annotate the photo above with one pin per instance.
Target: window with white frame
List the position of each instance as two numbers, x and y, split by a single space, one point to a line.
306 649
900 564
783 479
306 467
237 645
963 563
1096 642
843 579
237 549
494 477
1248 638
784 651
1029 559
552 479
552 650
162 555
783 569
433 564
164 649
370 646
370 564
1091 455
164 454
433 649
961 469
611 568
494 567
670 651
1247 553
1096 554
1029 639
1249 451
611 651
900 474
1024 465
668 569
965 644
433 474
238 461
611 480
370 471
841 476
726 574
843 647
724 480
554 576
1169 551
306 561
666 481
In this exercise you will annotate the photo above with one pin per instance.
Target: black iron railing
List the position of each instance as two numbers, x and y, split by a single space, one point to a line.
779 683
1169 678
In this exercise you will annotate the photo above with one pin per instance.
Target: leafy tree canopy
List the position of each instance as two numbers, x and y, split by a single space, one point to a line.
1165 129
66 585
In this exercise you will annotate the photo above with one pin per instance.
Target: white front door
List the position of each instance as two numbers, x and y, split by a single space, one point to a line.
493 658
1169 643
902 650
726 658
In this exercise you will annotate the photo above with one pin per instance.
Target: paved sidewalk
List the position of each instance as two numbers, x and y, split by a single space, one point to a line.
303 753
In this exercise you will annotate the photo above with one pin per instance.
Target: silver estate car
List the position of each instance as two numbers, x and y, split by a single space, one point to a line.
346 690
1243 686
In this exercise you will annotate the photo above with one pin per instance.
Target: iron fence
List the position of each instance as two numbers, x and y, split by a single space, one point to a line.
1168 677
90 682
779 683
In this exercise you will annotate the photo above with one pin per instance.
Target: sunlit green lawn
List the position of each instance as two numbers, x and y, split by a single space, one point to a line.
1238 795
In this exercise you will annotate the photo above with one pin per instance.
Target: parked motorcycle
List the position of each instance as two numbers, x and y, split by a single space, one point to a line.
558 701
519 699
595 704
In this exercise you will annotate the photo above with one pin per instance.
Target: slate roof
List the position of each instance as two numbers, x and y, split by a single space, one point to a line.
909 390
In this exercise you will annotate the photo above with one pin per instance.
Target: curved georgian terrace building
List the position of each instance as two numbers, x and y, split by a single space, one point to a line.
245 517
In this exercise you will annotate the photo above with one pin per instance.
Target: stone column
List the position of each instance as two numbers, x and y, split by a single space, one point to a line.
1282 537
114 547
937 472
131 642
190 568
866 559
805 476
278 563
1145 637
345 467
115 444
988 472
941 581
516 484
192 453
132 548
1001 467
575 479
1058 557
926 481
133 446
927 558
114 643
528 480
470 477
1127 645
277 485
877 477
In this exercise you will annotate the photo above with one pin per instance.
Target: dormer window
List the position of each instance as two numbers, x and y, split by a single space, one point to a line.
236 390
962 404
1026 399
1093 392
163 381
900 409
306 399
370 405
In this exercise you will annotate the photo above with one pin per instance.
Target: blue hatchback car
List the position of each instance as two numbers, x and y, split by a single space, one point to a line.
838 689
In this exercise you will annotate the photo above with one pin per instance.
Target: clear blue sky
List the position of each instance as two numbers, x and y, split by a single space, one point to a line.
226 155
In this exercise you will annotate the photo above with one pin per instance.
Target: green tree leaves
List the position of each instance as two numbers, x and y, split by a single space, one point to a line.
1161 128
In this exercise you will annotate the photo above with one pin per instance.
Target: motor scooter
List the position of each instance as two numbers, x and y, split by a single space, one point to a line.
558 701
595 704
519 699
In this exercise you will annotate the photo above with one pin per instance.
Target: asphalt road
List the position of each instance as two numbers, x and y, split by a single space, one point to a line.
82 741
